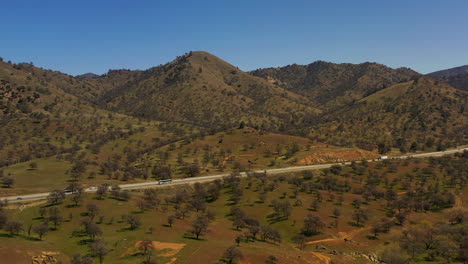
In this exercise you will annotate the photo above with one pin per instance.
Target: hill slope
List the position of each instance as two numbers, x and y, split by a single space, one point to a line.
413 115
457 77
38 118
203 89
335 85
343 104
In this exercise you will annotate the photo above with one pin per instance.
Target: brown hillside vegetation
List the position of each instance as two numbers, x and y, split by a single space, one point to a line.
247 149
181 119
198 92
419 114
457 77
203 89
334 85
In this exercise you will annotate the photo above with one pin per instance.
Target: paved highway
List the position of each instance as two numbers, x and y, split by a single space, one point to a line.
155 184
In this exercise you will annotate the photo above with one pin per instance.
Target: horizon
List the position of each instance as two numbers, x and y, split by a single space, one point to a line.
164 63
87 37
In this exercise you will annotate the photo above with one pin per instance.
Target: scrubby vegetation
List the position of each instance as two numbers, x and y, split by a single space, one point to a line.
199 115
414 207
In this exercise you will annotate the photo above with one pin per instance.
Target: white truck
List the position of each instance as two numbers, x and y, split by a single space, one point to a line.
383 157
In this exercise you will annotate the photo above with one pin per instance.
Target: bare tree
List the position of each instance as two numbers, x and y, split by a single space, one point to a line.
232 254
200 225
55 217
102 190
8 182
76 198
78 259
394 255
360 216
170 220
92 210
312 225
91 229
56 196
41 230
133 220
14 227
99 249
300 240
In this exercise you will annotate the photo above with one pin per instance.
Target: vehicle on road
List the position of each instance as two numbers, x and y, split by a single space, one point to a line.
168 181
383 158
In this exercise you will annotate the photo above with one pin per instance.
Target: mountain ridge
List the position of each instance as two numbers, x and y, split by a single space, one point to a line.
202 90
457 76
335 85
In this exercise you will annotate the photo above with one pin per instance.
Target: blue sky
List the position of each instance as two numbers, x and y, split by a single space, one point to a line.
93 36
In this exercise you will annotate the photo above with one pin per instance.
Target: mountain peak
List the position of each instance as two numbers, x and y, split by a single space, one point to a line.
88 75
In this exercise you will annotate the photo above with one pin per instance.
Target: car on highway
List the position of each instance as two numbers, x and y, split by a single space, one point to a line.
168 181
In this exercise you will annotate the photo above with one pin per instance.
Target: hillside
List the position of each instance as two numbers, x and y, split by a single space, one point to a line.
335 85
462 70
246 149
420 114
39 119
457 77
201 92
202 89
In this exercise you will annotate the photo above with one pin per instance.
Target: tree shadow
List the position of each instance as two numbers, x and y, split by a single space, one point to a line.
85 241
275 218
355 224
192 237
78 233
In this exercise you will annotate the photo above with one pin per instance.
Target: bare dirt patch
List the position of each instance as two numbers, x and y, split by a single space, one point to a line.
170 249
46 257
337 156
324 259
162 249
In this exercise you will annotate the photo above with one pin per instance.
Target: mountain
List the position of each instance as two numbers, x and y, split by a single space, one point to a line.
39 118
367 105
333 85
457 77
462 70
415 115
88 75
200 88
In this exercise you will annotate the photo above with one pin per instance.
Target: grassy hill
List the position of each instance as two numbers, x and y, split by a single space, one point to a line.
146 152
248 149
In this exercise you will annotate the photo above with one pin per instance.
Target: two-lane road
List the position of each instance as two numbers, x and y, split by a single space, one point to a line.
155 184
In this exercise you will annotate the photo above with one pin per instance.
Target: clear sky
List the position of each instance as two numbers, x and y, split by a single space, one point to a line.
93 36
